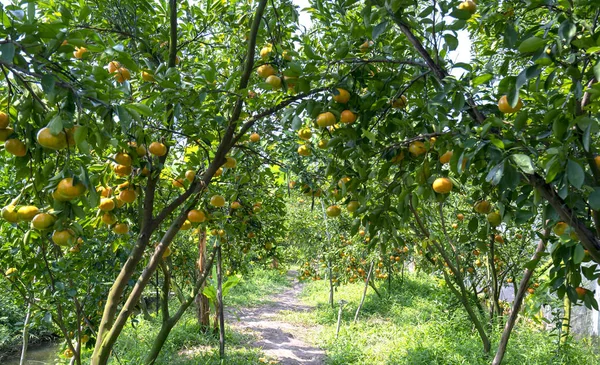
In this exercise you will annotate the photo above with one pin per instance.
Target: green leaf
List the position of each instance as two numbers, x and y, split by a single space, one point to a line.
369 135
523 162
482 79
595 199
379 29
579 254
575 174
8 52
586 137
55 125
596 70
143 109
559 127
531 44
48 82
473 223
296 123
495 174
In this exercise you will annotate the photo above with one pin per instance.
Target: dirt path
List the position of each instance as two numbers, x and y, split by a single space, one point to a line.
280 340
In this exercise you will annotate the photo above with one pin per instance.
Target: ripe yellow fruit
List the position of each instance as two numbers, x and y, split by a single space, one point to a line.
104 192
483 207
304 150
157 149
333 211
128 196
217 201
10 271
597 159
5 133
230 162
68 191
442 185
365 46
3 120
560 228
344 180
469 6
274 81
47 140
494 218
504 106
398 158
106 204
64 237
236 205
265 71
15 147
122 170
109 218
190 175
219 172
122 75
113 66
266 51
445 158
326 119
343 97
27 212
167 253
43 221
304 134
178 183
10 214
120 228
460 216
417 148
123 158
140 150
186 225
347 117
498 239
79 52
254 137
323 143
196 216
146 76
400 103
353 206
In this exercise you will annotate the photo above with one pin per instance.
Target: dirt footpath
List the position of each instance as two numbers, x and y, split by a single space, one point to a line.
283 341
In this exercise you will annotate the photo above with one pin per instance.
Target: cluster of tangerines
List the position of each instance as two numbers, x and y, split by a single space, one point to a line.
120 73
270 73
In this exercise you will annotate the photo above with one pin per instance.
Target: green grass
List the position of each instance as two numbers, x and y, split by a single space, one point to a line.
420 324
187 345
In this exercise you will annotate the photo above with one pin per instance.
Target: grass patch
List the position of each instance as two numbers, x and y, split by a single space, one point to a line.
187 344
420 323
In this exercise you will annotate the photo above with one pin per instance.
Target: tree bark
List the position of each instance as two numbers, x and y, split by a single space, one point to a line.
25 335
220 304
167 326
517 304
202 303
364 295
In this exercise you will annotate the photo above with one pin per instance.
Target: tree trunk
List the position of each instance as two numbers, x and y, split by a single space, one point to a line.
566 322
364 295
202 303
517 305
167 326
220 304
330 283
25 335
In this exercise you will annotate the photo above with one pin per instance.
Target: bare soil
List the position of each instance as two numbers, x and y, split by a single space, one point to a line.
285 342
